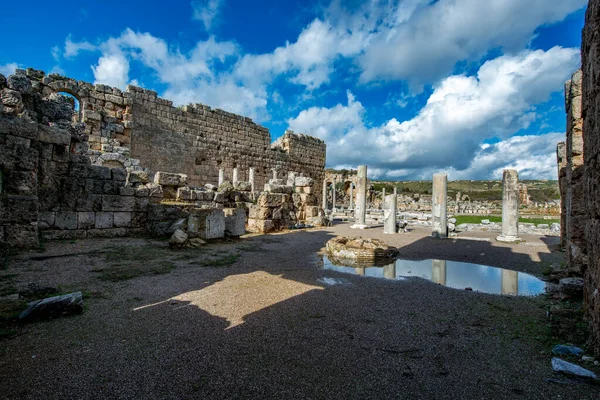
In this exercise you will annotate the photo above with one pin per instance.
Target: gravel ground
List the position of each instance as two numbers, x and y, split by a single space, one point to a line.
265 327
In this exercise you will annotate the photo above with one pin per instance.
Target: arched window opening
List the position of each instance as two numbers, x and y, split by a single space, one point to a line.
75 103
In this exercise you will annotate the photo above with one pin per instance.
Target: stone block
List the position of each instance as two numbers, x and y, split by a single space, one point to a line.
25 236
122 219
118 174
107 233
303 181
104 220
22 183
110 188
118 203
278 188
99 172
258 212
235 221
46 219
170 179
272 199
66 220
312 211
260 225
185 194
242 186
54 135
207 224
86 220
127 191
63 235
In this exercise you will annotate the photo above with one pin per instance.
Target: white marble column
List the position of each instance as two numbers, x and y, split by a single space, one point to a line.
360 214
221 176
390 207
510 207
235 176
251 177
324 202
333 195
438 206
351 196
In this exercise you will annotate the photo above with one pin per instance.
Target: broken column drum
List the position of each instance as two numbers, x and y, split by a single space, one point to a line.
438 206
510 207
360 214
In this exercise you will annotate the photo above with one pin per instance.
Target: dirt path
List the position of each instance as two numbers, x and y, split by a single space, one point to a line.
262 325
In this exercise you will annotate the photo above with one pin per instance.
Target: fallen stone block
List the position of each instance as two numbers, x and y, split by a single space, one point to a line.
170 179
235 221
568 368
53 307
178 239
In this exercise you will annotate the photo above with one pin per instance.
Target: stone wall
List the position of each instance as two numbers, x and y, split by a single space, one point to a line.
198 141
576 209
69 173
49 187
137 128
561 160
590 52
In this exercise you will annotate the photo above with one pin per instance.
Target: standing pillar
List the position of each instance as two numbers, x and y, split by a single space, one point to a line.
274 173
351 196
360 214
324 202
291 178
221 176
251 178
438 206
383 198
235 176
510 207
389 213
333 195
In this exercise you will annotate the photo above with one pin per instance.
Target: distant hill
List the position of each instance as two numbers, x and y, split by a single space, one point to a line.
539 190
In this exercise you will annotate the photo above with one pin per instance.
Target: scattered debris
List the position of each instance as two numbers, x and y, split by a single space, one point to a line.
568 368
53 307
567 350
178 239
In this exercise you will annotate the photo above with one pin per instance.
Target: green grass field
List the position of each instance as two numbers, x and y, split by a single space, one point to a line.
476 219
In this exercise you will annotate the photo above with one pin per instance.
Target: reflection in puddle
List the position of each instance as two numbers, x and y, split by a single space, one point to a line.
459 275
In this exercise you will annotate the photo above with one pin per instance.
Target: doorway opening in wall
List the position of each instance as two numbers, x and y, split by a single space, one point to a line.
75 103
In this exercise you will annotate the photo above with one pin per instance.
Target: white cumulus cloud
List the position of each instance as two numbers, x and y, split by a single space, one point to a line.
448 132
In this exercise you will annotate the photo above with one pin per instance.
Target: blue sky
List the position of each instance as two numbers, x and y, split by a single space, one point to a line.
408 87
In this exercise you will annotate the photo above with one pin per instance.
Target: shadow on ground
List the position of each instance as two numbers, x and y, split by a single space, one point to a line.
264 327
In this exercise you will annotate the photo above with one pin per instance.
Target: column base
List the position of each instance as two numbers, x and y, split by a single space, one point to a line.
509 239
437 235
358 226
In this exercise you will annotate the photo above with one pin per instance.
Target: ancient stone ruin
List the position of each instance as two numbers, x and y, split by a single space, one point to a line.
130 163
589 192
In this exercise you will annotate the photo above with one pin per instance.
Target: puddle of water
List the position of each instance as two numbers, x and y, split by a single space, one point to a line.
458 275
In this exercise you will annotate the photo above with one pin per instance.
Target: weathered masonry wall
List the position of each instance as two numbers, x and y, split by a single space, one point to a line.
590 52
137 129
576 210
198 141
561 160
